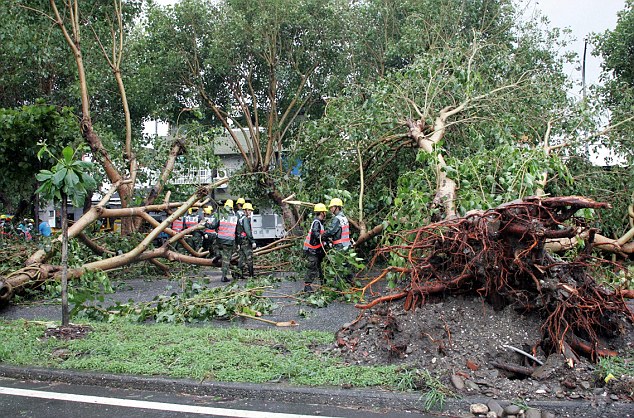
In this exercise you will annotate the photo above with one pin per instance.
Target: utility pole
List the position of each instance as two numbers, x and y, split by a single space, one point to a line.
583 69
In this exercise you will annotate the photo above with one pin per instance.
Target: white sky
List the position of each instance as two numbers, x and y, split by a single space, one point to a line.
582 17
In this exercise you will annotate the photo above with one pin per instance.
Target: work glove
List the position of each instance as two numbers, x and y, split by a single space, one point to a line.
206 236
253 245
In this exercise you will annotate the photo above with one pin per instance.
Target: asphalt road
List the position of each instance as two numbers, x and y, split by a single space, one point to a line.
39 399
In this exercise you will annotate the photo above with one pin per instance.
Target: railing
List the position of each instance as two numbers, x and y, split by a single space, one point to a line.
198 176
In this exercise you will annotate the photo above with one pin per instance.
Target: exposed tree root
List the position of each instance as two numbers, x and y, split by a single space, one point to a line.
500 255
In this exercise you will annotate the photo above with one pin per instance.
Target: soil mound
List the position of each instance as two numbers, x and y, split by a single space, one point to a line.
466 343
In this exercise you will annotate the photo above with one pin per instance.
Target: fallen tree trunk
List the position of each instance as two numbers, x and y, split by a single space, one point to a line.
37 270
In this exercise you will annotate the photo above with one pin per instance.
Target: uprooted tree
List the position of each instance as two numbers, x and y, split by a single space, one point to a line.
501 255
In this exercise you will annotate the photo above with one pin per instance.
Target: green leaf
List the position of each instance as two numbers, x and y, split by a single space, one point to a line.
43 175
68 153
89 182
71 180
58 177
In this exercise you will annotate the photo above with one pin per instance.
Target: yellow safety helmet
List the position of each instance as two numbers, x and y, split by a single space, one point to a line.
320 207
240 201
207 210
229 204
247 206
335 202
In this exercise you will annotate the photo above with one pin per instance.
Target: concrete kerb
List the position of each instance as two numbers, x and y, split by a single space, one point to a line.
370 398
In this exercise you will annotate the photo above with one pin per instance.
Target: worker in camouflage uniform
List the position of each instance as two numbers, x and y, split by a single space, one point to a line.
244 239
313 247
227 237
239 209
210 233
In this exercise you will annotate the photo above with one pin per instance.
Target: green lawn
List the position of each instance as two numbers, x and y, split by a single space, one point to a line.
201 353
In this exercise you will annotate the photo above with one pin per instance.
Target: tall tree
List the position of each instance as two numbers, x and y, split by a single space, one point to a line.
258 66
616 48
466 97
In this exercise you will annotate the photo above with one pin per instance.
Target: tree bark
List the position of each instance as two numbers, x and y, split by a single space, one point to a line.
65 312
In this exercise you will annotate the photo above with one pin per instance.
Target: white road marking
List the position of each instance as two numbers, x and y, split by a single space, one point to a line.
160 406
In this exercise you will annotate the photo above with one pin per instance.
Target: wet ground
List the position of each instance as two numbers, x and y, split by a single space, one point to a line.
286 293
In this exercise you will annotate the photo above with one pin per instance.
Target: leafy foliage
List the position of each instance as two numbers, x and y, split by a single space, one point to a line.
69 177
197 303
21 131
615 47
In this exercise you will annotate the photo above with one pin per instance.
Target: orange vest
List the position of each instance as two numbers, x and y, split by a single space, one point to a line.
307 244
177 225
227 228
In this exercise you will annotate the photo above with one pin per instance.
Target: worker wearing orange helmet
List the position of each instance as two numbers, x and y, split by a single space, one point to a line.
313 247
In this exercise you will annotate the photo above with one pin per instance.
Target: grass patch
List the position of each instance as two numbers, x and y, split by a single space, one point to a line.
220 354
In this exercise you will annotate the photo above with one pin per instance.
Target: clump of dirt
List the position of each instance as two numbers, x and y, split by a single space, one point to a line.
461 339
68 332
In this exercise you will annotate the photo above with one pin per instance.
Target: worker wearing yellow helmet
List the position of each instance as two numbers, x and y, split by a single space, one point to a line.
338 231
210 233
313 248
338 235
245 241
239 203
227 236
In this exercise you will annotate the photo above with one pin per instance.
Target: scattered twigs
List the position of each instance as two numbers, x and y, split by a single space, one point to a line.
290 323
530 356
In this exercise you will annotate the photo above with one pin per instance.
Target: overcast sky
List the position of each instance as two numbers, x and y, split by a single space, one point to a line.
582 17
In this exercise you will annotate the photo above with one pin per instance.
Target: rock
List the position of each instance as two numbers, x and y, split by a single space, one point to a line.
512 409
550 366
614 397
457 381
546 414
471 385
584 384
478 409
569 383
532 413
494 406
492 414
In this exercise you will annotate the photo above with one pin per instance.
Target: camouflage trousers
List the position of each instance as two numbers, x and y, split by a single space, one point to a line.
313 266
226 251
245 253
211 244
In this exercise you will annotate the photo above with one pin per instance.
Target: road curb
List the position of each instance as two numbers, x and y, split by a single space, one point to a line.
369 398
